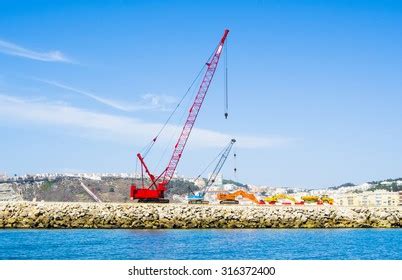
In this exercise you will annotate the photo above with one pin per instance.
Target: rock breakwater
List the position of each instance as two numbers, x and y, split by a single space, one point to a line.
154 216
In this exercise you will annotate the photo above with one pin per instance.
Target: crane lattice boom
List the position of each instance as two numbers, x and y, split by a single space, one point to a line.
155 192
194 110
199 197
219 165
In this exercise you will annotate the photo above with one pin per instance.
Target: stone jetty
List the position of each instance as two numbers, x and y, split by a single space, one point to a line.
181 216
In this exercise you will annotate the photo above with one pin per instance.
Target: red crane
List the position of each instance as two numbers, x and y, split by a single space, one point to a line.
155 191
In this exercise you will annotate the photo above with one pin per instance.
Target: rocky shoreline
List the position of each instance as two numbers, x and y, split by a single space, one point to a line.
155 216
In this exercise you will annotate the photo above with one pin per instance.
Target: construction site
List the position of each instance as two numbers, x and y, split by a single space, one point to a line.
153 186
155 197
200 139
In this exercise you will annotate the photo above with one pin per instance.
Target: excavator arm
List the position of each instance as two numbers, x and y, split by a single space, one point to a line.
231 198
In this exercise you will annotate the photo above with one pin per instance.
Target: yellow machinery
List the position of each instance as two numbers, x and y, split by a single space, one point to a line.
304 199
319 200
273 199
310 198
327 199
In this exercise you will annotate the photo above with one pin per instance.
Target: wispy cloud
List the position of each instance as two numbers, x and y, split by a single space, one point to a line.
147 102
105 101
115 128
16 50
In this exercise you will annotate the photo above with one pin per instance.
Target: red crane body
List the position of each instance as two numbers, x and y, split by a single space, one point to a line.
155 192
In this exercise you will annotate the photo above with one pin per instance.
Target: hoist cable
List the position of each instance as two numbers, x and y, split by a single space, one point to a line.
235 164
171 115
149 146
206 168
226 92
178 130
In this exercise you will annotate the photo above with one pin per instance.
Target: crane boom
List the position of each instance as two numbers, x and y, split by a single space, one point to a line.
219 165
199 197
194 110
155 192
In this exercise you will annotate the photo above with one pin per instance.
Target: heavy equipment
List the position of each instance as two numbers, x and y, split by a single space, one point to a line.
199 197
284 198
313 199
155 191
326 199
231 198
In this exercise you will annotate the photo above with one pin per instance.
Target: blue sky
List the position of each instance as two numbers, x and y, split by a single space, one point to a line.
315 87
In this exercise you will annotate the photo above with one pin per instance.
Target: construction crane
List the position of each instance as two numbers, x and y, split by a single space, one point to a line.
199 197
231 198
155 192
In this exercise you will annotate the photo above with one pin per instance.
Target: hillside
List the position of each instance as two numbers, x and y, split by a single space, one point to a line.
70 189
388 185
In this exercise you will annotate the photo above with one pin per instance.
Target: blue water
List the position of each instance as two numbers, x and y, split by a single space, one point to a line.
202 244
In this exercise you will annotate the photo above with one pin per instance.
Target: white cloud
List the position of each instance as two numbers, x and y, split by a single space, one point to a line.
161 102
115 128
15 50
148 102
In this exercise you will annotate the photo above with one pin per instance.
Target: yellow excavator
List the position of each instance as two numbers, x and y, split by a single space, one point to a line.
318 200
327 199
230 198
280 196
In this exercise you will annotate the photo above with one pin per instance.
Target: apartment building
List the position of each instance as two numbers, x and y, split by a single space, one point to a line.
376 198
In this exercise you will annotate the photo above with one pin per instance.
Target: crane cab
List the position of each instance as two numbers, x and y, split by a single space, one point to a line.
149 195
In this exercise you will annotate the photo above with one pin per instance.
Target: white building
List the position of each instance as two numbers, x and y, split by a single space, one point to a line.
377 198
400 199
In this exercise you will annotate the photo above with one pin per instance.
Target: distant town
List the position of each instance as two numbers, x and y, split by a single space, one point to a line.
376 193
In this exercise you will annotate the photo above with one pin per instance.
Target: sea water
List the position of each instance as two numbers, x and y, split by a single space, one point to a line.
280 244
